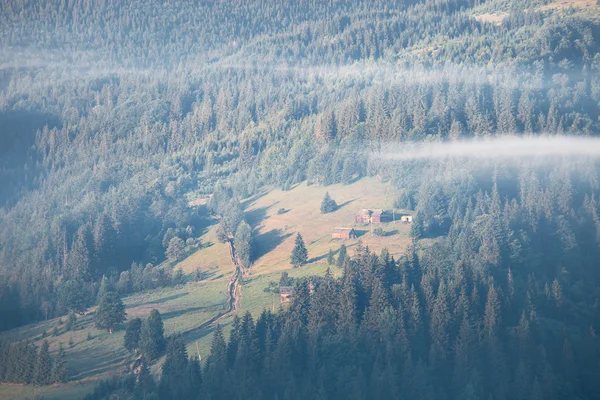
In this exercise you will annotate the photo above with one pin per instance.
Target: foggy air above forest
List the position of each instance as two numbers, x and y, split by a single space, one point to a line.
309 199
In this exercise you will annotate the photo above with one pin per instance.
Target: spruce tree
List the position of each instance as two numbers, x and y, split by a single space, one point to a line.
110 312
328 204
152 339
43 368
330 258
342 255
59 366
299 254
131 341
173 382
145 385
71 321
104 287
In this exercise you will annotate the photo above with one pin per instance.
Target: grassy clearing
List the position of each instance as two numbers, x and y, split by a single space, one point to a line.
275 233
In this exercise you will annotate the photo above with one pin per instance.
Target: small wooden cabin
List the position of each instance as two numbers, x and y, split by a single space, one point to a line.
363 216
285 293
407 219
377 216
344 233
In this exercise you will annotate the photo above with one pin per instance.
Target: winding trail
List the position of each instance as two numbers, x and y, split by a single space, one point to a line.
233 292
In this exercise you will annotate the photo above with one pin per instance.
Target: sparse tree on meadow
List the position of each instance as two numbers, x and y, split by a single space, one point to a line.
299 254
110 312
328 204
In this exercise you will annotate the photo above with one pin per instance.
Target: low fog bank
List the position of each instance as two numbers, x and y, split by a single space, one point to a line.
540 147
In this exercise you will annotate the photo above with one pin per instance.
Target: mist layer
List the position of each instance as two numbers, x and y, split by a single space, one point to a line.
505 147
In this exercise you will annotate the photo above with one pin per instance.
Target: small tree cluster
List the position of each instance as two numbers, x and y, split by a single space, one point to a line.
146 335
23 362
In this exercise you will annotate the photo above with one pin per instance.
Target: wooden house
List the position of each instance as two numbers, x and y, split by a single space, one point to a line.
285 293
377 216
407 219
344 233
363 216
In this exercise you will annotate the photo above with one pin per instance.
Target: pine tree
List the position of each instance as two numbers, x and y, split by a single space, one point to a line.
43 369
59 366
328 204
152 339
173 382
131 341
330 257
104 287
71 321
145 385
110 312
299 254
342 255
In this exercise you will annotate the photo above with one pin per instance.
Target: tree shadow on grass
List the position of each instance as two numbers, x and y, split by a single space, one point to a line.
104 359
360 232
179 313
344 204
157 301
252 200
318 258
255 216
168 298
268 241
195 334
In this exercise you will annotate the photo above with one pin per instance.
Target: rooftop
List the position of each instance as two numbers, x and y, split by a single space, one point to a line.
342 230
286 290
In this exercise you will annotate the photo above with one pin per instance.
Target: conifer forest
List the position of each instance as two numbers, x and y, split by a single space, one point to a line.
129 130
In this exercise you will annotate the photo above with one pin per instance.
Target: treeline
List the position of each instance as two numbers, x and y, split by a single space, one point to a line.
23 362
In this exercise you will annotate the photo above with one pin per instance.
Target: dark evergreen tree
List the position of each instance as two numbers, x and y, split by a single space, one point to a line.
342 255
110 312
328 204
330 257
42 374
152 339
299 255
59 366
131 341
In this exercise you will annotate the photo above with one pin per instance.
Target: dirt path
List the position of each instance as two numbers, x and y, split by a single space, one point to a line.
233 290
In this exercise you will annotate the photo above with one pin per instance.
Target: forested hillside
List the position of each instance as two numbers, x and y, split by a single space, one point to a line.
114 115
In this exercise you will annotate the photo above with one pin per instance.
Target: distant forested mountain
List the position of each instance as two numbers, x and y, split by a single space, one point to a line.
113 115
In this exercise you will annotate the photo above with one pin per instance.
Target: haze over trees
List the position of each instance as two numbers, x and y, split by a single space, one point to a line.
114 115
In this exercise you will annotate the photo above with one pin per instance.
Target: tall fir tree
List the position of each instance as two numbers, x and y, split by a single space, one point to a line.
152 337
110 312
59 366
131 341
43 366
299 253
